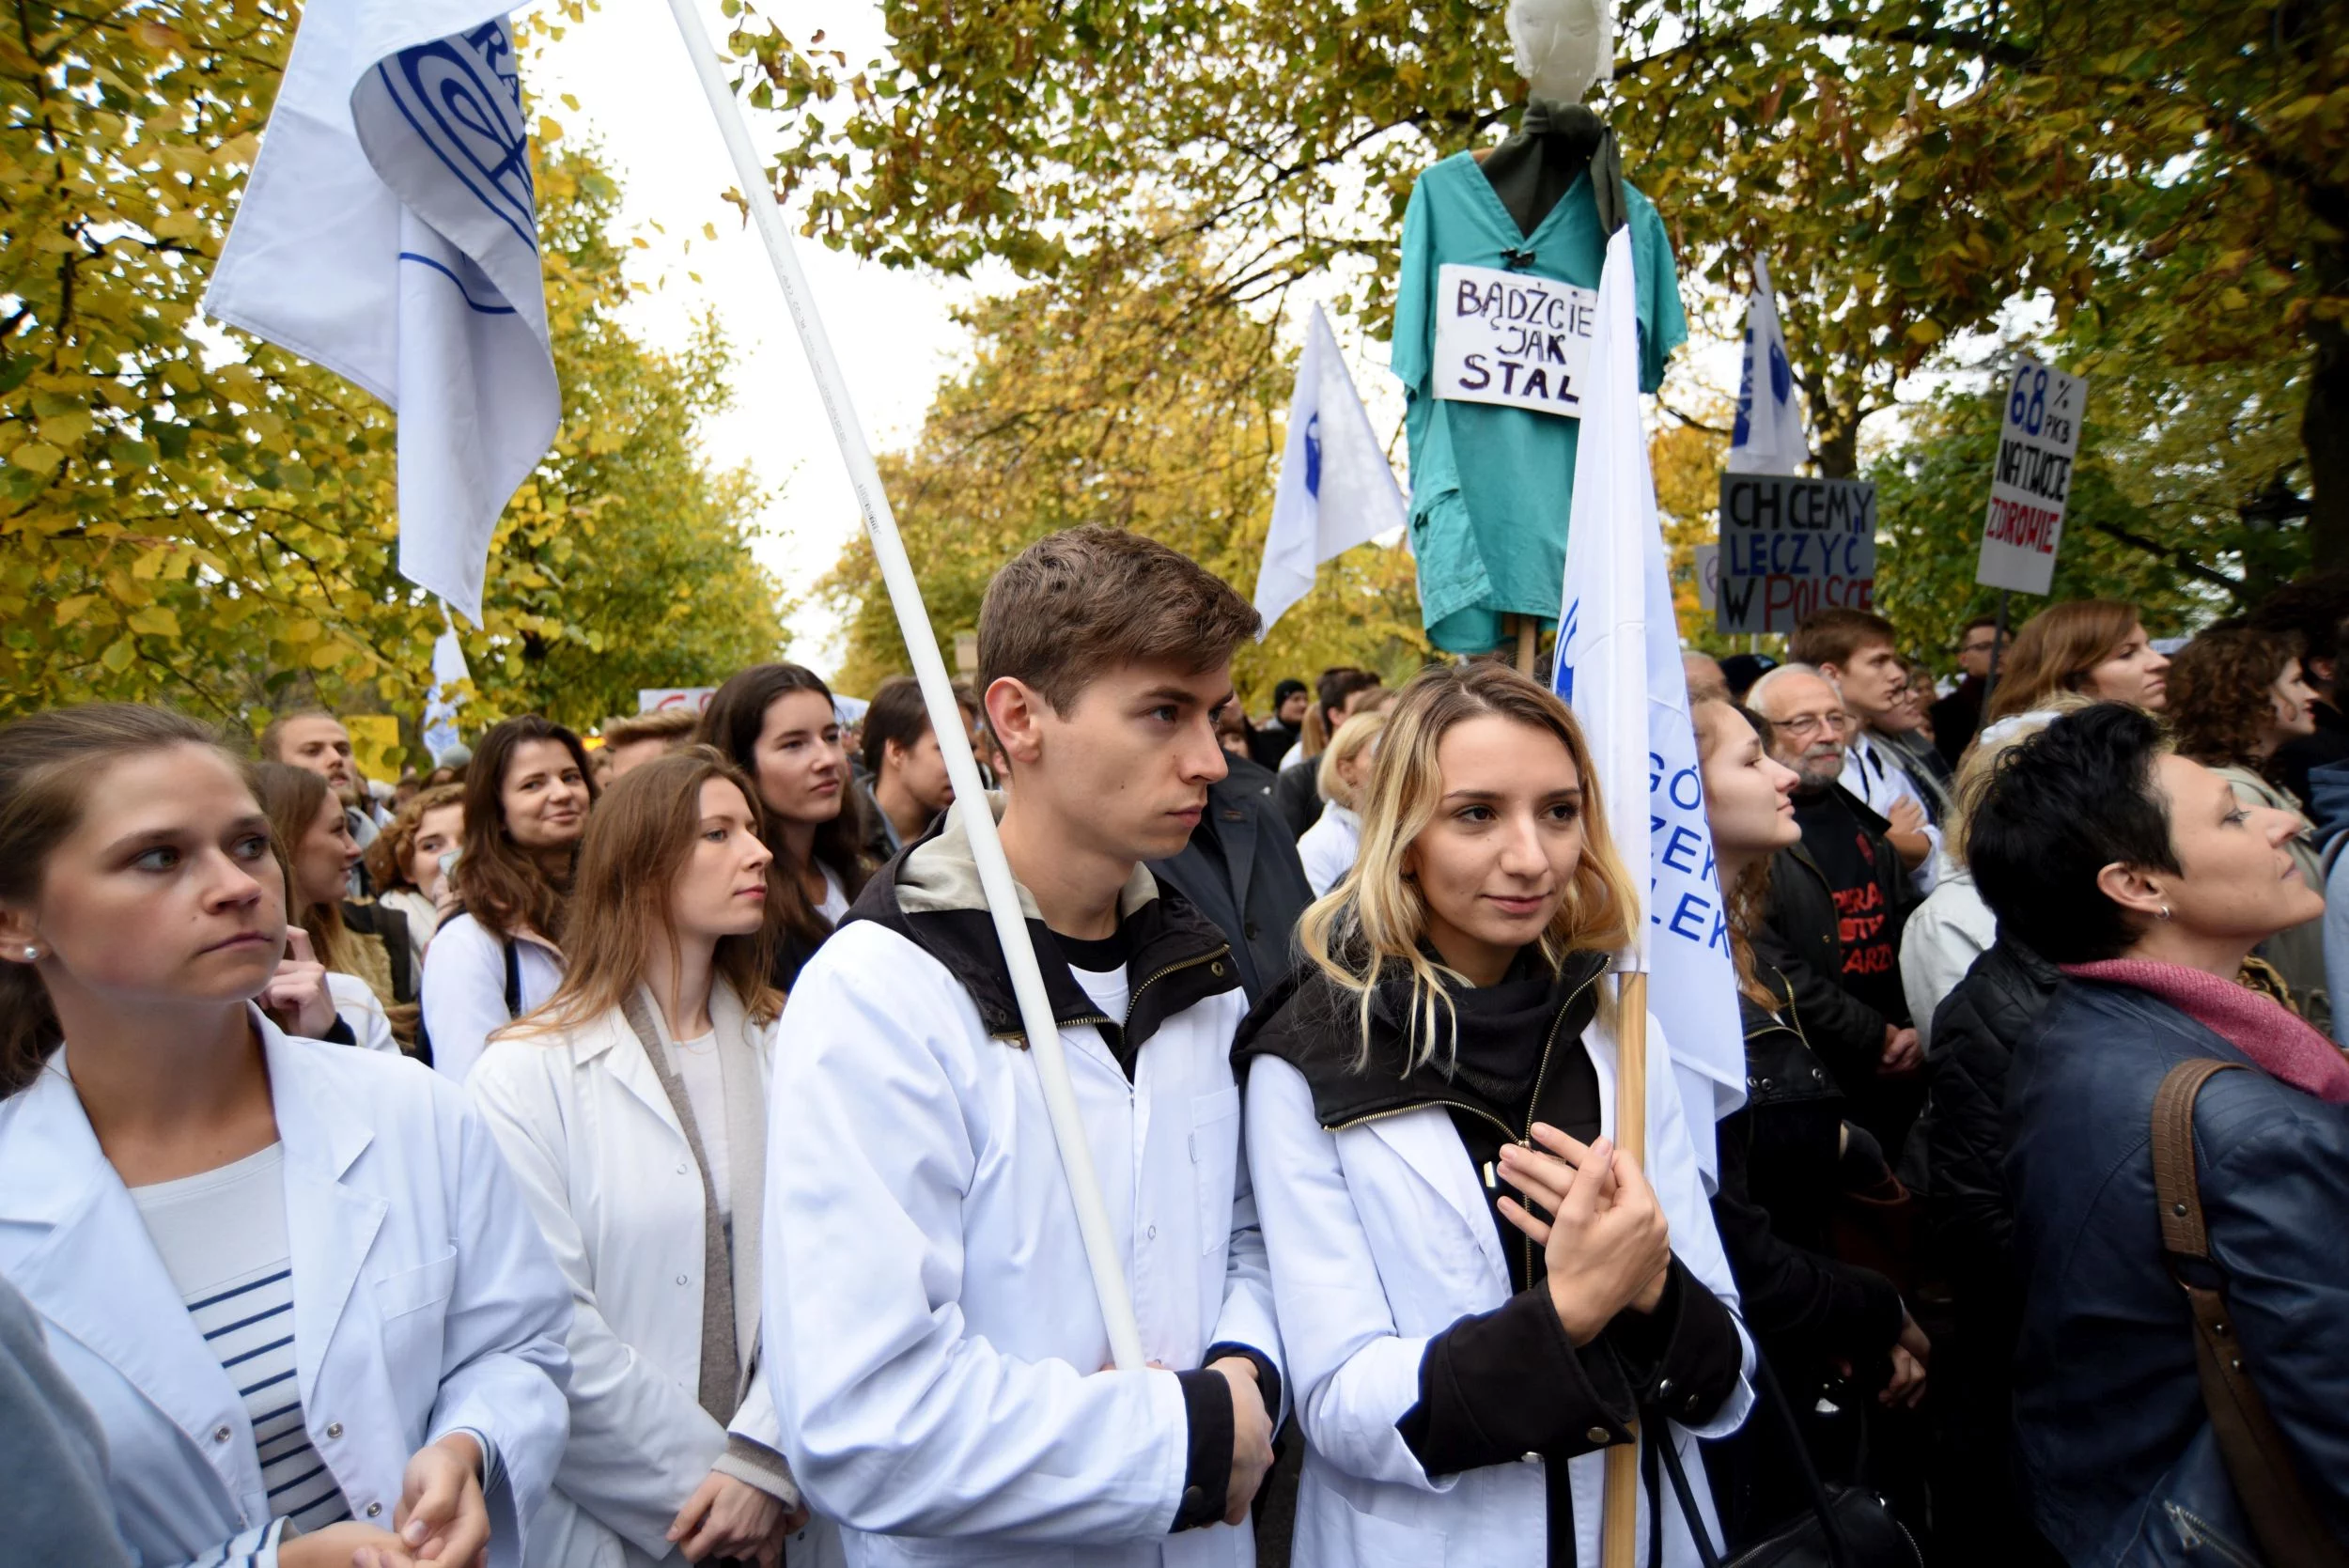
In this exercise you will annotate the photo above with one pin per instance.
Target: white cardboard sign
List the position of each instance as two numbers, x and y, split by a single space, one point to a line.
1512 339
655 699
2038 438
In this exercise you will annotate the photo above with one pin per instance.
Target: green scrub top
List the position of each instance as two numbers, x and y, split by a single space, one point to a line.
1491 484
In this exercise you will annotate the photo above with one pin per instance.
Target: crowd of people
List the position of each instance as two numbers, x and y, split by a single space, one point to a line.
590 1154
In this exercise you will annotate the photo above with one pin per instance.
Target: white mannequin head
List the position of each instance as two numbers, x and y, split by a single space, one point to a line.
1562 47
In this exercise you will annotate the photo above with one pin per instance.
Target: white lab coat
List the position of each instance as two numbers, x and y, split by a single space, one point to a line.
1944 936
465 989
605 1162
936 1345
356 1004
425 1303
1380 1237
1329 847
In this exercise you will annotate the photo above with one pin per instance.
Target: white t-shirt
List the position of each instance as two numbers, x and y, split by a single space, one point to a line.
222 1236
695 1063
1108 988
834 908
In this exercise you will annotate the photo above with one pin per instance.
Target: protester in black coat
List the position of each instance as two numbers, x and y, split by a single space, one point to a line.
1971 1223
1240 869
2135 870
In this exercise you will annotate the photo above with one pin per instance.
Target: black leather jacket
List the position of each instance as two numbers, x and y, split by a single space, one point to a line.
2113 1443
1963 1129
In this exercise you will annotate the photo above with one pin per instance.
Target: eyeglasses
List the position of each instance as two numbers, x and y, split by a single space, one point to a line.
1984 646
1802 726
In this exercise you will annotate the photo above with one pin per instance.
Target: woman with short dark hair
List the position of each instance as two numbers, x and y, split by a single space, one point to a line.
2137 872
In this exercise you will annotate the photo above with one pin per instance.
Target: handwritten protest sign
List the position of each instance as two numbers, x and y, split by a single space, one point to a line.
1512 339
1792 545
654 699
2032 480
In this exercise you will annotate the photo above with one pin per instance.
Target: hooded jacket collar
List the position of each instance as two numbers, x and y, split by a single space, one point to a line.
931 895
1315 1026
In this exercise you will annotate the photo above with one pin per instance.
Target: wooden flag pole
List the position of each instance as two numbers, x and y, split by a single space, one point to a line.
1618 1539
1528 633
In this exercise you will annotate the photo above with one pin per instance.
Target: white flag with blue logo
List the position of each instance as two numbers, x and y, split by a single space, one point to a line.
1336 491
440 705
389 232
1619 668
1768 437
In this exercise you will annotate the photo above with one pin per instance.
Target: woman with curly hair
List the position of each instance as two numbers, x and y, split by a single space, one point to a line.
2235 695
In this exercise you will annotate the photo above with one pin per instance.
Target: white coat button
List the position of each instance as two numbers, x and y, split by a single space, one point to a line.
1153 1233
1529 1458
222 1434
374 1510
681 1280
680 1169
334 1429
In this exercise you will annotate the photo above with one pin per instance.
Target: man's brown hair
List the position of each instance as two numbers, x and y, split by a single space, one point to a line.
272 742
1074 604
1837 636
897 713
672 727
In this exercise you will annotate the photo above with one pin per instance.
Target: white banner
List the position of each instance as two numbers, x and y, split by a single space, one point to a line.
1512 339
2032 480
1769 437
389 232
1619 667
654 699
1336 488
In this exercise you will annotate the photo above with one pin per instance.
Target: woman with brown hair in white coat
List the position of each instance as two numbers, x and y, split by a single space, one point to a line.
632 1107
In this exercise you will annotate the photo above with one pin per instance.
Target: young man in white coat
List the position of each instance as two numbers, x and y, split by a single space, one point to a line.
941 1362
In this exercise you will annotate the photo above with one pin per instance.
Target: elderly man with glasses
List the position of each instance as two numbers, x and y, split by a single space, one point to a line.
1838 900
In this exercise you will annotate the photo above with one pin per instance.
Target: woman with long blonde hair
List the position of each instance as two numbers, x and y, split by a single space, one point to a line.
2094 648
1328 847
633 1108
1478 1289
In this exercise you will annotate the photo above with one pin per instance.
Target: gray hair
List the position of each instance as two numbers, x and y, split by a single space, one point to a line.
1758 693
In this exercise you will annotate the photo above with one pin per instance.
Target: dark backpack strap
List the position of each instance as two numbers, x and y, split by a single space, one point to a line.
513 979
2259 1461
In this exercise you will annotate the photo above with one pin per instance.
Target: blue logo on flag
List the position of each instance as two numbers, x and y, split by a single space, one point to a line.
462 95
1312 456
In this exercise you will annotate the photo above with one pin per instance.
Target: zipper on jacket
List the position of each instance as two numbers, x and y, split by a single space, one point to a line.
1541 1073
1135 995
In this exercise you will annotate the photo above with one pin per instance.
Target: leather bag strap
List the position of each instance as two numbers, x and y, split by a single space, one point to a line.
2259 1461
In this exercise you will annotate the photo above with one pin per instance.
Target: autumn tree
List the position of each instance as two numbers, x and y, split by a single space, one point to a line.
1131 394
2177 173
191 517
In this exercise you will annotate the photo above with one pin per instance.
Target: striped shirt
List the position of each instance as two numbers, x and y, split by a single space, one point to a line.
221 1235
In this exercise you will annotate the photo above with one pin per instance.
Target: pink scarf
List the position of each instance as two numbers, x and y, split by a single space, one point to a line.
2271 1034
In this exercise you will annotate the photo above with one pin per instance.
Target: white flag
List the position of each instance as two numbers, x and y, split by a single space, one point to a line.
1336 491
1619 668
389 232
1768 437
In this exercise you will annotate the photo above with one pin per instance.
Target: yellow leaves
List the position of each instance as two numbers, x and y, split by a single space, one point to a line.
549 130
72 608
1926 334
118 654
181 224
36 456
157 37
154 621
66 430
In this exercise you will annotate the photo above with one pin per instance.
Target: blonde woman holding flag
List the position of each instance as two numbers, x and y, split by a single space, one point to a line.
1477 1289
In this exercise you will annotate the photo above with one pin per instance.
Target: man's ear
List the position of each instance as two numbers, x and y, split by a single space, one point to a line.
1015 712
2134 889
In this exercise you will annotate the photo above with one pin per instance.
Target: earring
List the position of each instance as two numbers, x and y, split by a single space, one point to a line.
2165 912
31 953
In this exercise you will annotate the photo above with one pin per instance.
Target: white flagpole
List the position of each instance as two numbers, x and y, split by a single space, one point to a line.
913 621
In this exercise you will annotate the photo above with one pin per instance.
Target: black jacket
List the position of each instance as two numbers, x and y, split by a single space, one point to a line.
1299 795
1240 871
1781 1175
1800 938
2111 1430
1975 1030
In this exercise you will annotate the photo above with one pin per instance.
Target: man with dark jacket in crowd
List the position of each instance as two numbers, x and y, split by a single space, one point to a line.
1957 717
1240 869
1838 901
1269 741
